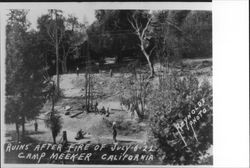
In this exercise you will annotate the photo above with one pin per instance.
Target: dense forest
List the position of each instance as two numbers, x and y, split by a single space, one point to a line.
170 35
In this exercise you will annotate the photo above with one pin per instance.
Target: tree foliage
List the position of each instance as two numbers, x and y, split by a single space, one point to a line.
149 35
140 21
175 101
183 34
111 34
23 70
70 35
136 90
198 27
54 123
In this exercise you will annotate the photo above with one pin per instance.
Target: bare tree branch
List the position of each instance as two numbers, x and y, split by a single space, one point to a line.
51 35
61 36
132 24
146 27
136 22
141 36
152 50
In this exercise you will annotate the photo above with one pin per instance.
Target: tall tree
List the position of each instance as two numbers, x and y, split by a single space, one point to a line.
23 71
198 28
140 21
71 34
53 120
168 35
182 34
56 30
46 46
73 37
112 36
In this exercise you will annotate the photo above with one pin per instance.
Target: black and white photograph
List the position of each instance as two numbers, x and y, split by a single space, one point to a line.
86 85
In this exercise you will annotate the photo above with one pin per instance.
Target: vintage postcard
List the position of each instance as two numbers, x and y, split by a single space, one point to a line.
107 84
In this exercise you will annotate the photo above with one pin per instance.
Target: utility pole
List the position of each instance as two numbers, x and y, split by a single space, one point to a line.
89 83
52 30
92 89
57 56
86 78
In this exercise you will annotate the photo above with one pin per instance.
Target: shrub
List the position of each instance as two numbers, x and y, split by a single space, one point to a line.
54 123
173 102
136 90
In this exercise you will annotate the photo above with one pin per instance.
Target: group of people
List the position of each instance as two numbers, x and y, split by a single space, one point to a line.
104 111
80 134
94 108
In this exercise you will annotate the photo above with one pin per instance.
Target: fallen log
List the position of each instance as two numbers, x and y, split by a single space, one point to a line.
113 109
74 115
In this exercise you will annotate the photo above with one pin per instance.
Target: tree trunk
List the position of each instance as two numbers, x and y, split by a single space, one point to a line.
86 88
57 69
89 96
64 64
87 78
54 137
23 126
63 68
139 113
53 103
152 72
142 106
142 37
17 131
57 60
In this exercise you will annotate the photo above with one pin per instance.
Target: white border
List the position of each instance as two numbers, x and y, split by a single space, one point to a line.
231 83
230 77
111 5
94 5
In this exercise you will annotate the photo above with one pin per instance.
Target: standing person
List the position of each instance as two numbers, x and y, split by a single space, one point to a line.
96 107
103 111
36 126
110 73
64 138
77 71
114 132
107 112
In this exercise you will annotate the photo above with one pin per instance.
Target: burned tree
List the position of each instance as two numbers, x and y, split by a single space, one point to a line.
88 81
141 27
55 30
